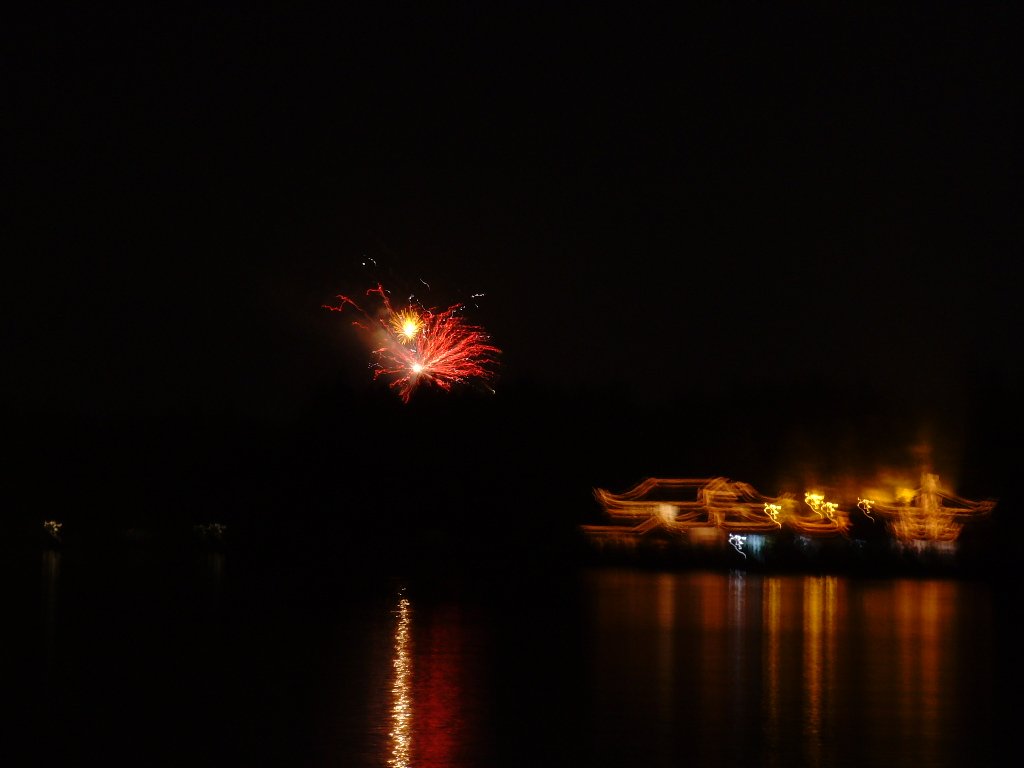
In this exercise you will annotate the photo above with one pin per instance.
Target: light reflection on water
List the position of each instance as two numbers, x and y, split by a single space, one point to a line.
50 582
788 670
703 668
401 710
430 722
608 667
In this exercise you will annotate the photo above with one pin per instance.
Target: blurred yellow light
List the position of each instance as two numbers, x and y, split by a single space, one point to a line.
905 494
407 324
813 500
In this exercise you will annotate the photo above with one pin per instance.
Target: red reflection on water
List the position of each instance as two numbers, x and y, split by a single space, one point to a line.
431 721
438 698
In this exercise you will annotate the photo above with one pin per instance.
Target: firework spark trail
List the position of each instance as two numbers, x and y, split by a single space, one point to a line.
415 345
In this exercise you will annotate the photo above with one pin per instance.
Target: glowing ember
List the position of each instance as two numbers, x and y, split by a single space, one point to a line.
412 346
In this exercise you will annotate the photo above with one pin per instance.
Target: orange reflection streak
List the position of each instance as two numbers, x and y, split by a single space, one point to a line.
665 614
813 622
772 622
924 668
401 708
51 580
820 663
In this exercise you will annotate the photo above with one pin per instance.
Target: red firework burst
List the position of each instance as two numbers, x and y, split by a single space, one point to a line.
415 346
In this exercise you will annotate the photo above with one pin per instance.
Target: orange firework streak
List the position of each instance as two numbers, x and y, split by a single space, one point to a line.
414 346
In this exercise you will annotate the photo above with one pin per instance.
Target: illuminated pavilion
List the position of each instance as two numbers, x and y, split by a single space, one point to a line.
930 516
714 511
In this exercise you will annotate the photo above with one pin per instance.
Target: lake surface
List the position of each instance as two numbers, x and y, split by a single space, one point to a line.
203 657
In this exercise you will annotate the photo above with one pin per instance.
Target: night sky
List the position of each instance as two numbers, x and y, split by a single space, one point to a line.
742 241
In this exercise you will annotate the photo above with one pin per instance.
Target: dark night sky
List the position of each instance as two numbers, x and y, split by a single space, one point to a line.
753 205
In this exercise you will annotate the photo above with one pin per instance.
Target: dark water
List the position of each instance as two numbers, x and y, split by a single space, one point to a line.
212 658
